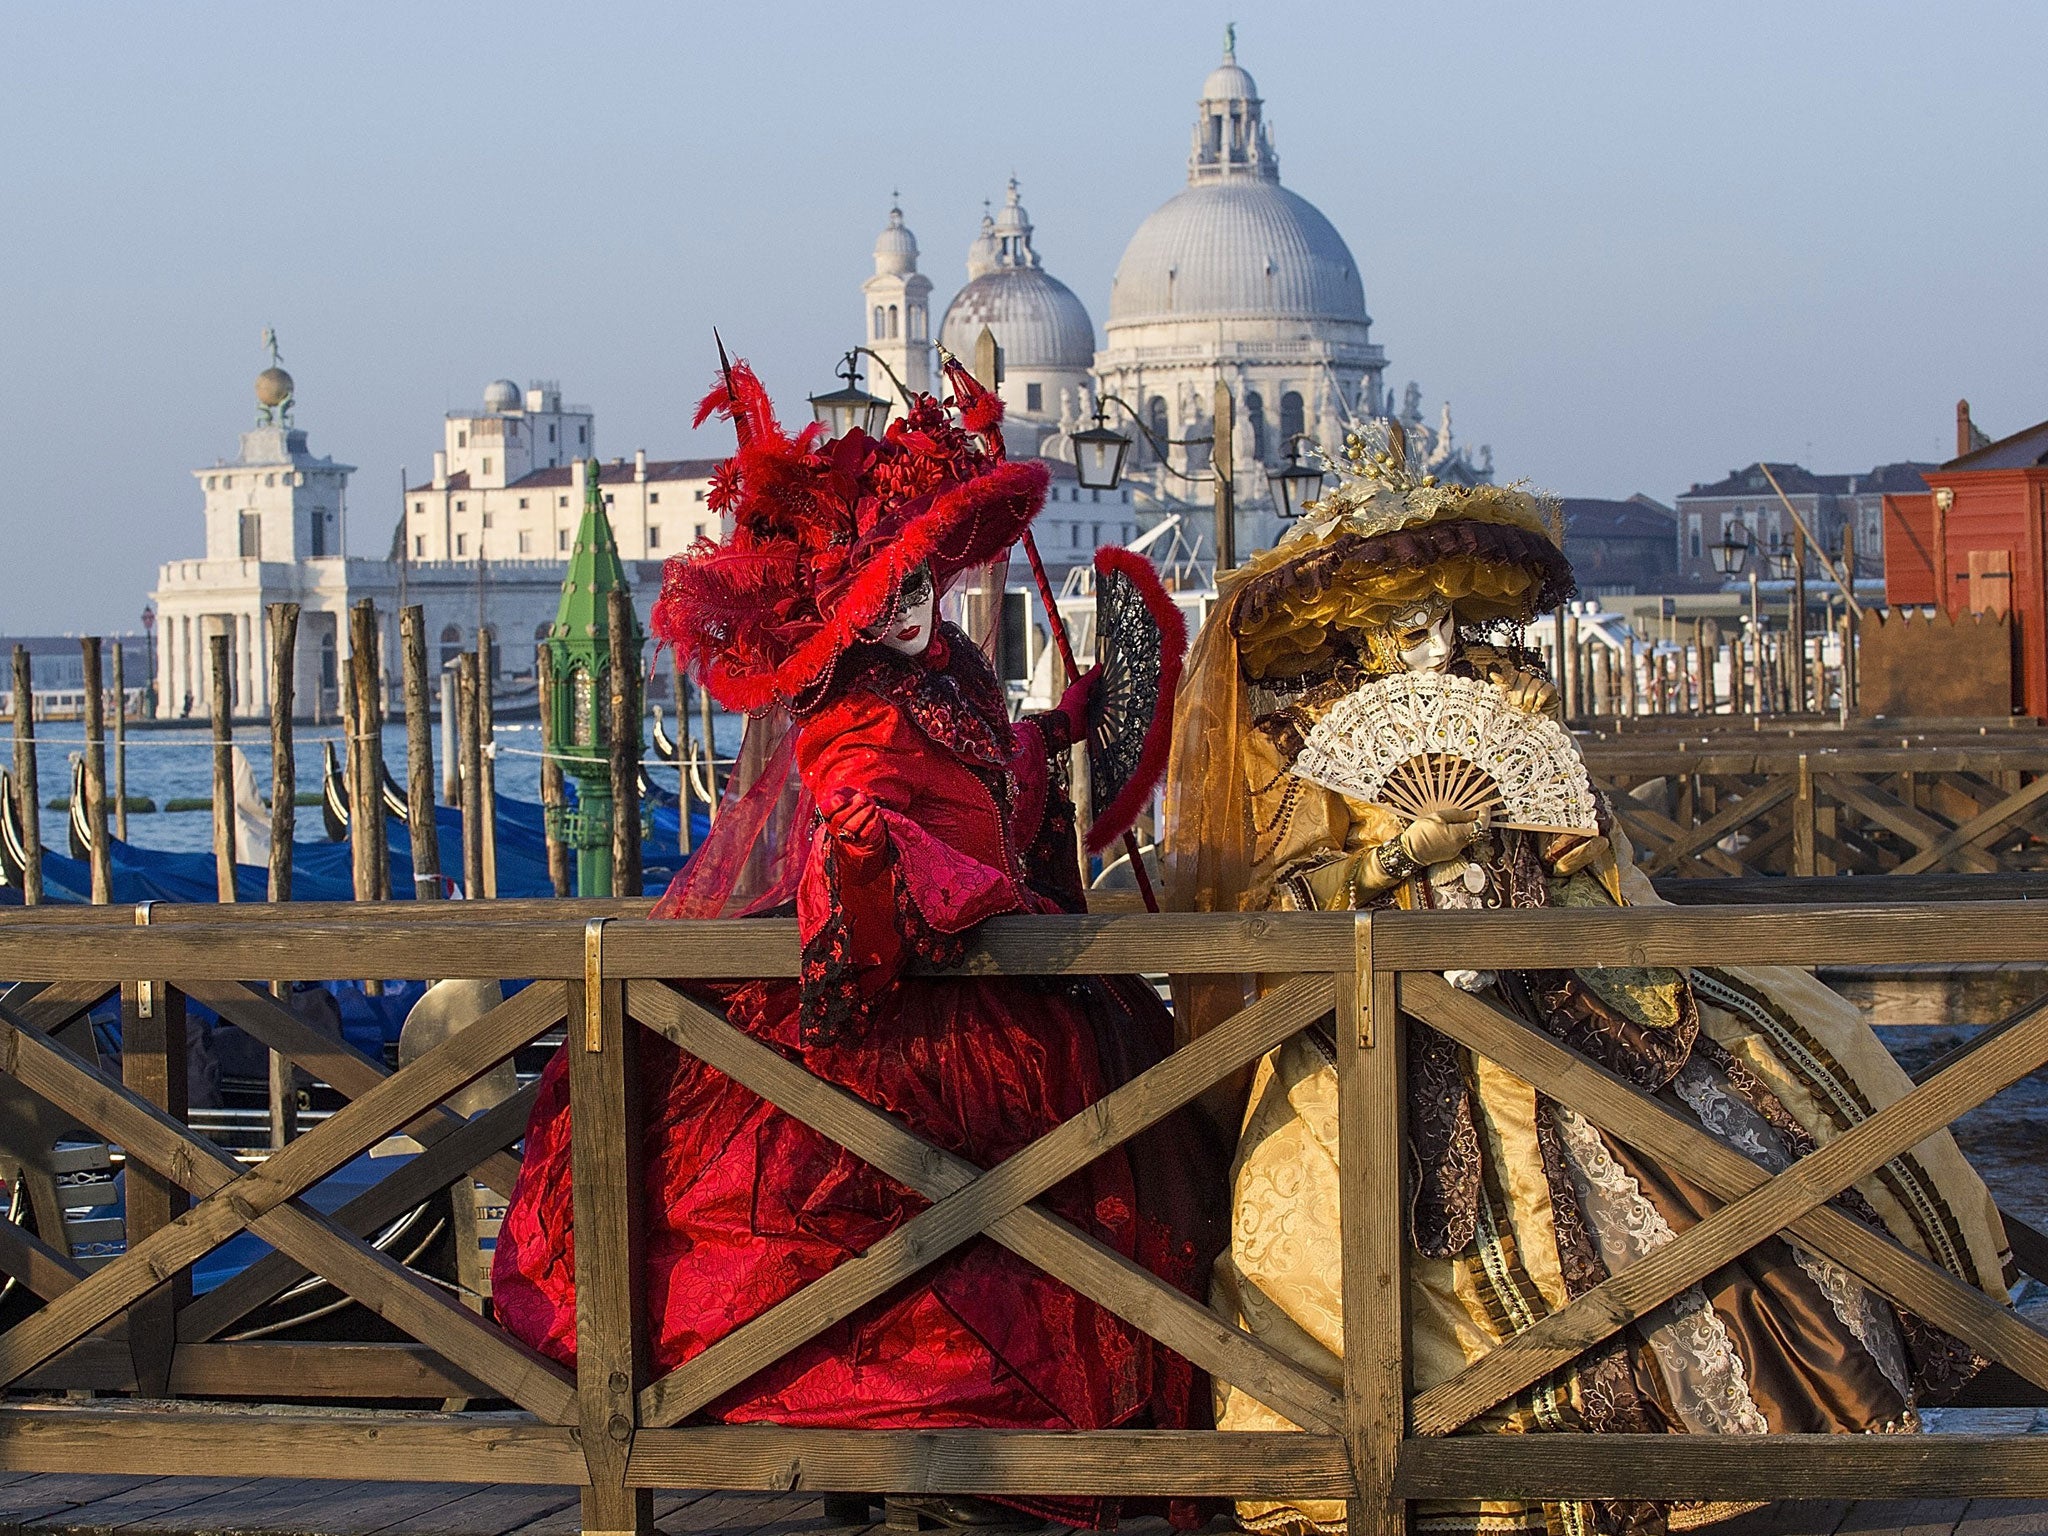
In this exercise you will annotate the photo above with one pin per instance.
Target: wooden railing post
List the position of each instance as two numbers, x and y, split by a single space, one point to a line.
153 1065
1369 1095
419 757
1803 820
608 1189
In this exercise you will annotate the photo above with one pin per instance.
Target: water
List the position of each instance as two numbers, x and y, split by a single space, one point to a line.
174 764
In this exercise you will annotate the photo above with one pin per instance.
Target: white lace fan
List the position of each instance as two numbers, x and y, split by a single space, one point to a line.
1422 742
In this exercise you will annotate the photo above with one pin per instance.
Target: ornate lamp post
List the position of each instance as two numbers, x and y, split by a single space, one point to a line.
842 410
1294 483
149 640
1099 453
574 717
1732 552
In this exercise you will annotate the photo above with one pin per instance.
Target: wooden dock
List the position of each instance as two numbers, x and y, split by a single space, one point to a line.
44 1504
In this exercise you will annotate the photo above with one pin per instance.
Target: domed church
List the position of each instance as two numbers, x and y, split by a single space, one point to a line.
1235 279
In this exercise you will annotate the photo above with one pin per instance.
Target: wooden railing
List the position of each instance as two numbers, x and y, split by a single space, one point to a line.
1722 807
616 1430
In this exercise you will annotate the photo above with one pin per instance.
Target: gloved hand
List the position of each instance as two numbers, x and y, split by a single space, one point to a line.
1439 836
1568 852
855 824
1530 691
1079 696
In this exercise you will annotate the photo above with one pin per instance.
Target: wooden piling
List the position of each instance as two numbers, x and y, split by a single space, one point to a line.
451 735
679 694
1568 663
220 702
472 776
624 737
1628 677
487 757
28 801
553 791
419 757
99 851
710 749
284 768
371 863
120 741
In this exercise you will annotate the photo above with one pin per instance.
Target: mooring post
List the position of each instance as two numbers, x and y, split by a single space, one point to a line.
1374 1237
120 741
472 776
554 793
284 768
607 1188
99 850
625 747
487 756
220 679
451 753
710 749
419 757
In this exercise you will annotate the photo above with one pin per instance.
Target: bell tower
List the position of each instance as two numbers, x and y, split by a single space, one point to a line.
897 326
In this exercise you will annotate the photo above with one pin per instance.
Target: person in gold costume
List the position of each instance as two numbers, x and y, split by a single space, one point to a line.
1516 1205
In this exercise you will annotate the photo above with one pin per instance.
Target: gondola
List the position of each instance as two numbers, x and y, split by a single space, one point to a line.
334 795
13 840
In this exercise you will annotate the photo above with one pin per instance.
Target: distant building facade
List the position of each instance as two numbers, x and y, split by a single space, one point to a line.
1826 503
1621 548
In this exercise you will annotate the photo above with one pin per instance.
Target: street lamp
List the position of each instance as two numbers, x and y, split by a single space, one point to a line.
1783 557
1732 552
1099 454
845 410
149 639
1294 482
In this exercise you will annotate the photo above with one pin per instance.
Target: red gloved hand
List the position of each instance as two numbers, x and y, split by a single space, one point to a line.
855 822
1075 701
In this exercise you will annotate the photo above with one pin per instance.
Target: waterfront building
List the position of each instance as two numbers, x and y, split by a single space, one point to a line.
1827 504
1621 548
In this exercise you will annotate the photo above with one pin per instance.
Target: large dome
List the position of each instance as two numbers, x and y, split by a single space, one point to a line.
1236 247
1036 317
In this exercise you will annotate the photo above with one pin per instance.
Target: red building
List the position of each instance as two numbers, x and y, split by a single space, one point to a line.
1974 541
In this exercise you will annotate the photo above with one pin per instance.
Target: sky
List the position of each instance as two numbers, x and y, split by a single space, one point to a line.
1634 246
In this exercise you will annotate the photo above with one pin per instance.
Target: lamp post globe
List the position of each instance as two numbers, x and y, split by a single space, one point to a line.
851 408
1099 455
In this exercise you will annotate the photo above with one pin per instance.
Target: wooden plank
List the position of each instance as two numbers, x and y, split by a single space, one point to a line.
2006 931
1916 827
45 1271
336 1063
269 1370
1736 813
1723 1466
153 1066
1995 1063
345 1509
1374 1236
1661 1131
608 1190
1928 890
252 1506
256 1442
676 1512
151 1504
968 1201
1903 1517
1637 818
2002 1517
258 1200
40 1497
386 1200
54 1006
289 949
1132 1463
485 1512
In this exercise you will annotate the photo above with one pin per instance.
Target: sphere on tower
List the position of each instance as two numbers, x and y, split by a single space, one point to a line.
501 395
273 388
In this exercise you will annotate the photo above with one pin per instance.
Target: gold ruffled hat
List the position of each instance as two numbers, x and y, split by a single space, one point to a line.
1388 540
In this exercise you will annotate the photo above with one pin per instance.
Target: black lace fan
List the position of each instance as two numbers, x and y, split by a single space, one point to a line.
1140 639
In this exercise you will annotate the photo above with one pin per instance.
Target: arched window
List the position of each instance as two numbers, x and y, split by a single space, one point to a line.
878 323
451 644
1156 414
892 322
1291 418
917 322
1255 415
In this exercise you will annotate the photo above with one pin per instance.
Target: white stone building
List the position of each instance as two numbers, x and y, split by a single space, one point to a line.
483 545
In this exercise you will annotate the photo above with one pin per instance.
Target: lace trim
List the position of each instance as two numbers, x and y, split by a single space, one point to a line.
1692 1346
1861 1313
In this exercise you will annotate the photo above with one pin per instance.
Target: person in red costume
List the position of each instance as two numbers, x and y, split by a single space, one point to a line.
911 808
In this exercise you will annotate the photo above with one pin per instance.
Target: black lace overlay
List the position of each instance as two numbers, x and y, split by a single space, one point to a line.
1132 651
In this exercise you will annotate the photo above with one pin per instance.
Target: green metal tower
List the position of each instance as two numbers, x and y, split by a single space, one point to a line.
575 720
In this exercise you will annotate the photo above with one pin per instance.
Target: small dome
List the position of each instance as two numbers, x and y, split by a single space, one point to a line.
501 395
273 387
1037 320
1229 81
896 247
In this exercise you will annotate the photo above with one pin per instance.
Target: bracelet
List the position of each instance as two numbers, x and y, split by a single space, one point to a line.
1395 861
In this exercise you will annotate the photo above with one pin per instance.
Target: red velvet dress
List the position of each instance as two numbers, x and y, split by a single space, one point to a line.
746 1205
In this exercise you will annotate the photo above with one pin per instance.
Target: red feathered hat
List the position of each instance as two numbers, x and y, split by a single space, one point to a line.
824 533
